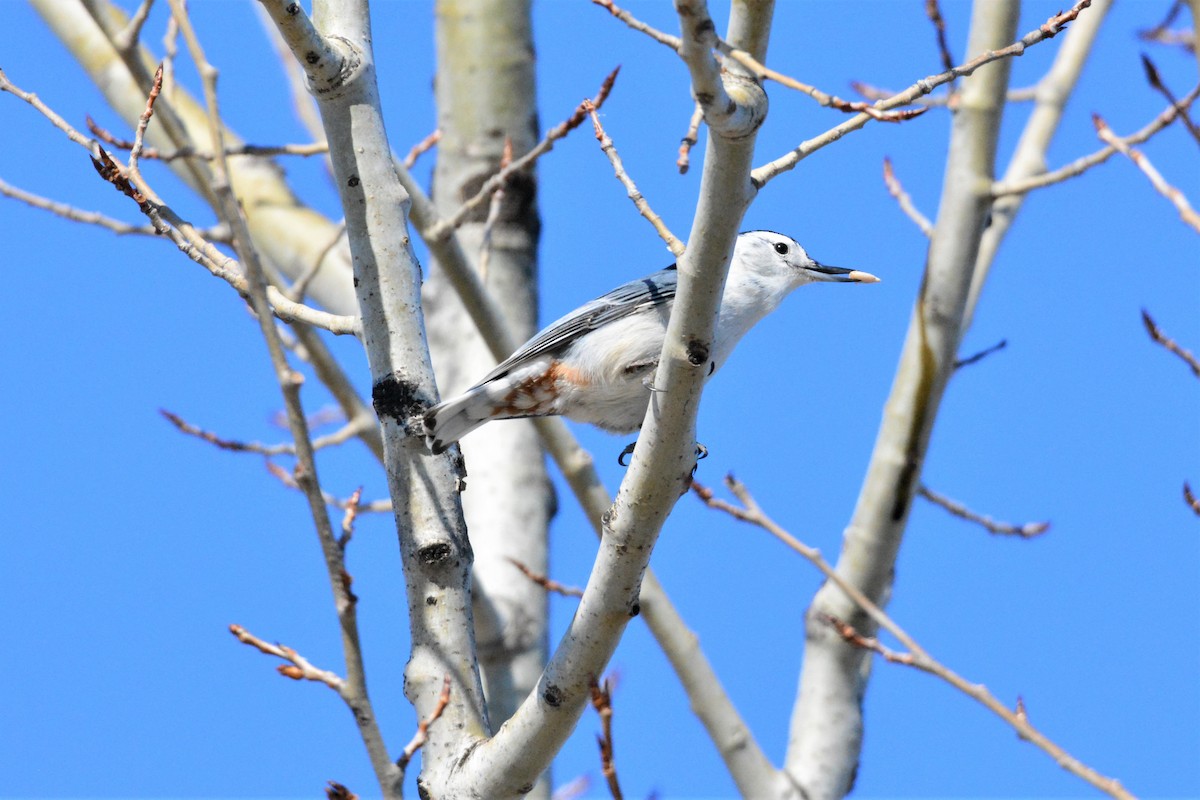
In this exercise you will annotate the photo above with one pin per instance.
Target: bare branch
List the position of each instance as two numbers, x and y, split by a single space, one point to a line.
1155 80
689 139
32 99
982 354
824 98
667 39
1026 531
336 791
354 689
902 197
939 26
547 583
422 734
1177 198
1190 498
1081 165
948 100
442 228
917 656
1052 27
421 147
639 201
219 233
602 702
1170 344
108 137
493 215
298 668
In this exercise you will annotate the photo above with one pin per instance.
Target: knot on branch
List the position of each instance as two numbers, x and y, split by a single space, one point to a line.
745 110
401 400
330 68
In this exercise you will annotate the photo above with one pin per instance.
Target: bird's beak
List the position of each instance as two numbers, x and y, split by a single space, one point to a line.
821 272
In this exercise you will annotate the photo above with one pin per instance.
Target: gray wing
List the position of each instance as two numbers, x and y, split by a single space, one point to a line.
636 296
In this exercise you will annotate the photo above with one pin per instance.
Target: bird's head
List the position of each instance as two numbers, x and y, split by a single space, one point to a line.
772 258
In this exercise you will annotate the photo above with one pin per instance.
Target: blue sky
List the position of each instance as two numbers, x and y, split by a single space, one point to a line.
129 548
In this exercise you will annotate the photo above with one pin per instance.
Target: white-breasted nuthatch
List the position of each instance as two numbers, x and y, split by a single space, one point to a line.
597 363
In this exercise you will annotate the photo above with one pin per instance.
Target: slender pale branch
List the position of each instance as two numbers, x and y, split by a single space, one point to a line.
689 140
1084 163
354 692
1172 193
896 190
1026 531
762 175
442 228
639 200
299 668
750 512
1170 344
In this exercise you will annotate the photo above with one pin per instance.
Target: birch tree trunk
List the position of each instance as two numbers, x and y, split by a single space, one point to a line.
826 728
485 96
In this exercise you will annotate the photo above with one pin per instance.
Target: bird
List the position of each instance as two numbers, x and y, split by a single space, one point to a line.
597 363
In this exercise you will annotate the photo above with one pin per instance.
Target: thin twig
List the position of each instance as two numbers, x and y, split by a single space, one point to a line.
422 734
1163 34
127 40
939 26
1026 531
545 582
602 702
139 134
352 509
902 197
1170 344
750 512
760 176
689 140
636 24
336 791
1156 82
108 137
421 147
354 688
299 287
369 507
32 99
1081 165
219 233
493 215
949 100
299 668
344 434
639 201
982 354
1190 498
444 227
573 789
1177 198
762 71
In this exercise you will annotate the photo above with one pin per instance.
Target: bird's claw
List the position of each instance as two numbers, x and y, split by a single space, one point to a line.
701 453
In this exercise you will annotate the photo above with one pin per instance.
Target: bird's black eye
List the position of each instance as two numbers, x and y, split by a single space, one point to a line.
781 248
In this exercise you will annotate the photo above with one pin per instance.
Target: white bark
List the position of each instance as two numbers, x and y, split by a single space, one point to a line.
662 462
1030 157
485 94
826 729
435 552
287 233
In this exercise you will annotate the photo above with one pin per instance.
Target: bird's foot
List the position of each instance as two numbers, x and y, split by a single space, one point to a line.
701 453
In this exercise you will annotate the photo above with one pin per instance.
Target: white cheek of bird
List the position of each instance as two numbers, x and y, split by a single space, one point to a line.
597 364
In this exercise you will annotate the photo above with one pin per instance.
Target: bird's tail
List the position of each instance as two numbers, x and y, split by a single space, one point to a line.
448 422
